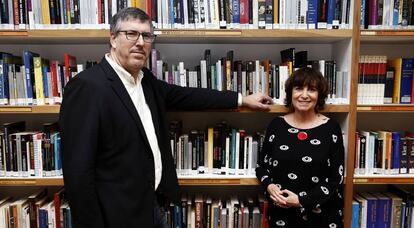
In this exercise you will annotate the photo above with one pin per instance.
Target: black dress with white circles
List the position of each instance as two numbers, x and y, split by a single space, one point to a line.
312 168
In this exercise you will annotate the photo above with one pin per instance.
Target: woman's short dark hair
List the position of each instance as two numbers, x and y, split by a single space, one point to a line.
126 14
310 77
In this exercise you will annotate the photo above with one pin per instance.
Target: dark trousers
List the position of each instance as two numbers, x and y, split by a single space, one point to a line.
160 218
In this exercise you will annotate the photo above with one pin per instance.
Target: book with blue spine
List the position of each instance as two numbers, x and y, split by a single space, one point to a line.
330 12
355 214
312 14
406 80
383 211
396 139
236 13
29 70
5 59
372 215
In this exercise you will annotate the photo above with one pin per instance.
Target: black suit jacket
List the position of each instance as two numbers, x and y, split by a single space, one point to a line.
108 165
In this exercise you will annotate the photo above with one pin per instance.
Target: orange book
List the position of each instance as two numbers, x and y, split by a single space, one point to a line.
142 4
396 63
275 12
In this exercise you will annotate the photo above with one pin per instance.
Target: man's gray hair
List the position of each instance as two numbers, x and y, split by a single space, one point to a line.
126 14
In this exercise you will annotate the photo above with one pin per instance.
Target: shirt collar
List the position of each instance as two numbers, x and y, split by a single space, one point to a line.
124 75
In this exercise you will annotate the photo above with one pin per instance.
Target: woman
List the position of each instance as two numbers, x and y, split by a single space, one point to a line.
301 162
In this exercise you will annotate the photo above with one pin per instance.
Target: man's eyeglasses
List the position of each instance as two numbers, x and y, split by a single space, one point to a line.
134 36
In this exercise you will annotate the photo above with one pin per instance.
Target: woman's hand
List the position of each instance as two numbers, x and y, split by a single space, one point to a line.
292 199
276 195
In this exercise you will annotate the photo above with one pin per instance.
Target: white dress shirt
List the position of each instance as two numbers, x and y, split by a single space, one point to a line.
138 98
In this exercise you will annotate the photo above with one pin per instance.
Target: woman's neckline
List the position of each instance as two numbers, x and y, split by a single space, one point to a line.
310 128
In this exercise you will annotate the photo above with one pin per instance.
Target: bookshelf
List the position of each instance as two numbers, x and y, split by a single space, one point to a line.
392 43
383 179
54 109
342 45
321 44
41 109
207 180
392 108
387 36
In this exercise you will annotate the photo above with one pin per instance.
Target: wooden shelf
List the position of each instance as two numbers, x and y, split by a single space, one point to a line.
385 108
45 181
387 36
217 180
101 36
54 109
253 36
385 179
183 181
41 109
61 36
283 109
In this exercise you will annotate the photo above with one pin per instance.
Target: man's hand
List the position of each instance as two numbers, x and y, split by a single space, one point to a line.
276 195
257 101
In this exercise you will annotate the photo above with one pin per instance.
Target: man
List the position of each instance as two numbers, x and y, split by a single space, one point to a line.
116 154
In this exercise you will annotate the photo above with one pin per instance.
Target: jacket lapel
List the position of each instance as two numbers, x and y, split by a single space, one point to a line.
152 104
123 95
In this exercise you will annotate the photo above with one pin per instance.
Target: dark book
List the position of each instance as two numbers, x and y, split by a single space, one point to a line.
288 55
251 12
33 211
410 154
190 4
242 134
53 11
224 132
403 156
362 146
8 129
4 11
207 57
322 10
222 4
301 59
262 13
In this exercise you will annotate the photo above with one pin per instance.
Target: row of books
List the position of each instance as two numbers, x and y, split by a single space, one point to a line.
385 82
213 14
207 212
34 80
247 77
387 14
384 152
30 153
219 150
37 210
250 14
61 14
392 209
